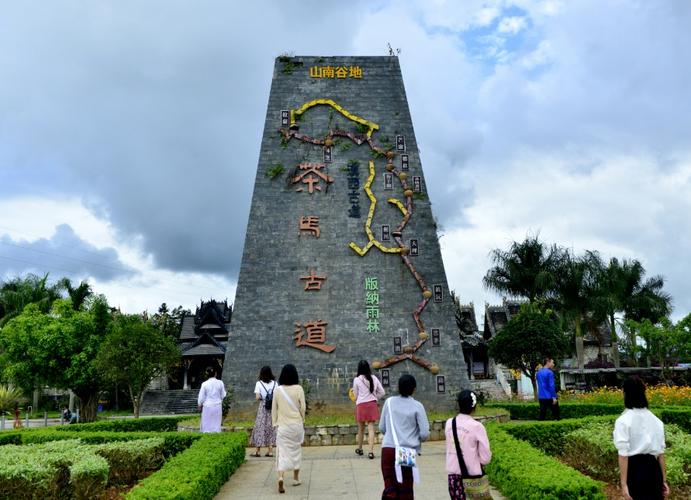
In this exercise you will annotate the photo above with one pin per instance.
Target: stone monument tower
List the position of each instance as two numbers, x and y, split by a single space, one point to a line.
341 259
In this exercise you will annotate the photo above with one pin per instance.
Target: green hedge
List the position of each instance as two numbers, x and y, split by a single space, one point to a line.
530 411
591 450
677 416
549 436
148 424
173 442
130 461
199 472
523 472
61 469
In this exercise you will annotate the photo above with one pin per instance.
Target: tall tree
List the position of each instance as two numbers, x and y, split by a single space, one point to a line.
19 292
527 339
77 294
526 269
58 349
169 322
621 288
574 286
134 353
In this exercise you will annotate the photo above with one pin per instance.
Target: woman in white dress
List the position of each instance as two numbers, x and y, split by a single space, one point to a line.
210 402
288 415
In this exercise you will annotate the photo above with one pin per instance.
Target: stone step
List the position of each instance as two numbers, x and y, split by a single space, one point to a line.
170 402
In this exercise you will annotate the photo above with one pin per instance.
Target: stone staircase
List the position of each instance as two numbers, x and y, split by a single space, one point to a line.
491 388
170 402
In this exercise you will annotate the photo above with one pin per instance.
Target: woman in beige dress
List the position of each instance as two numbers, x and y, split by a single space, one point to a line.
288 415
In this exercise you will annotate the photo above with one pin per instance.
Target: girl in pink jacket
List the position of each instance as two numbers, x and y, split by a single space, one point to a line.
473 441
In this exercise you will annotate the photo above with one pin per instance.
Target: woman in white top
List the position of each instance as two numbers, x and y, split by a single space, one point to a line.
210 402
264 433
639 437
288 416
368 390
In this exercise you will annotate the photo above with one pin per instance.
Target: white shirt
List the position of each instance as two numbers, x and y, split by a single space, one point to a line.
211 393
262 389
638 432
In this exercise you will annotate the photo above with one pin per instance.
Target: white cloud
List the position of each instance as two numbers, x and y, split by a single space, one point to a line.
511 25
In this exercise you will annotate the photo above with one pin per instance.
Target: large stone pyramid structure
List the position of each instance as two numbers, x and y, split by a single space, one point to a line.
341 259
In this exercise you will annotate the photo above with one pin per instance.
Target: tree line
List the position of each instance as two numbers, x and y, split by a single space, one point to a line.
65 336
568 296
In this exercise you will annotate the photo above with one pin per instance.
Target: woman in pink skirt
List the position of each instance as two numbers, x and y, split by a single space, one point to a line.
368 390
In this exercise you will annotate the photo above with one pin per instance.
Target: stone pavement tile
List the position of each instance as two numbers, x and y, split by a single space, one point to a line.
334 472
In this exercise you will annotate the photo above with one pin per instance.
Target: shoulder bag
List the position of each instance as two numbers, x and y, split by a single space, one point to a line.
475 487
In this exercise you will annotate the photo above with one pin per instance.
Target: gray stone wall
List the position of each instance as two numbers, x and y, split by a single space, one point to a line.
270 296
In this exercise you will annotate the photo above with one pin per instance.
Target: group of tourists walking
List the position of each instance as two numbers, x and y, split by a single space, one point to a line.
638 433
403 421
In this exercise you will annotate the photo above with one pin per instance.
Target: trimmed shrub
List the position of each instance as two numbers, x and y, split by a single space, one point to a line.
173 442
530 411
149 424
198 473
522 472
591 450
676 416
58 469
549 436
88 477
130 461
11 437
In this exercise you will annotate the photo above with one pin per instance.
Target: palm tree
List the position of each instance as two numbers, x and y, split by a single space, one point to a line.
526 269
620 287
19 292
574 286
78 294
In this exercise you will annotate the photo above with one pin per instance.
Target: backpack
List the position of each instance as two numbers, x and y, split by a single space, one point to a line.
268 399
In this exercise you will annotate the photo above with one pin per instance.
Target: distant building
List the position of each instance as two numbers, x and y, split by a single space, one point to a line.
203 341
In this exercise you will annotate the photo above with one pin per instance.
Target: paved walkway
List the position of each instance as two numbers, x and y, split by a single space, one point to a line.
335 472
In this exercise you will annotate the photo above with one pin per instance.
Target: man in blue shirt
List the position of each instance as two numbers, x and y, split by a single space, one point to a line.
546 392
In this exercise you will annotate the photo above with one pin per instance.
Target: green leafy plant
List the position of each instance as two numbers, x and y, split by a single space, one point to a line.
544 478
275 171
10 396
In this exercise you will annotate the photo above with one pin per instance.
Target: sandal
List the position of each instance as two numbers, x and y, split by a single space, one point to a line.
269 455
255 454
370 455
358 451
280 486
296 482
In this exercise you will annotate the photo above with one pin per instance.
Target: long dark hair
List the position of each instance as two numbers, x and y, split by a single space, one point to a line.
634 393
364 369
289 375
266 375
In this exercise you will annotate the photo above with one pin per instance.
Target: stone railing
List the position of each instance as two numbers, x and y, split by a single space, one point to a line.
332 435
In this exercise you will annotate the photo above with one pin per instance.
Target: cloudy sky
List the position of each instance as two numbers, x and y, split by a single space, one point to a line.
130 131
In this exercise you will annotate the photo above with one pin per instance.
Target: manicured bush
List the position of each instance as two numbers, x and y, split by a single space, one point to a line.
149 424
88 477
173 442
591 450
530 411
523 472
130 461
199 472
549 436
65 469
675 415
11 437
